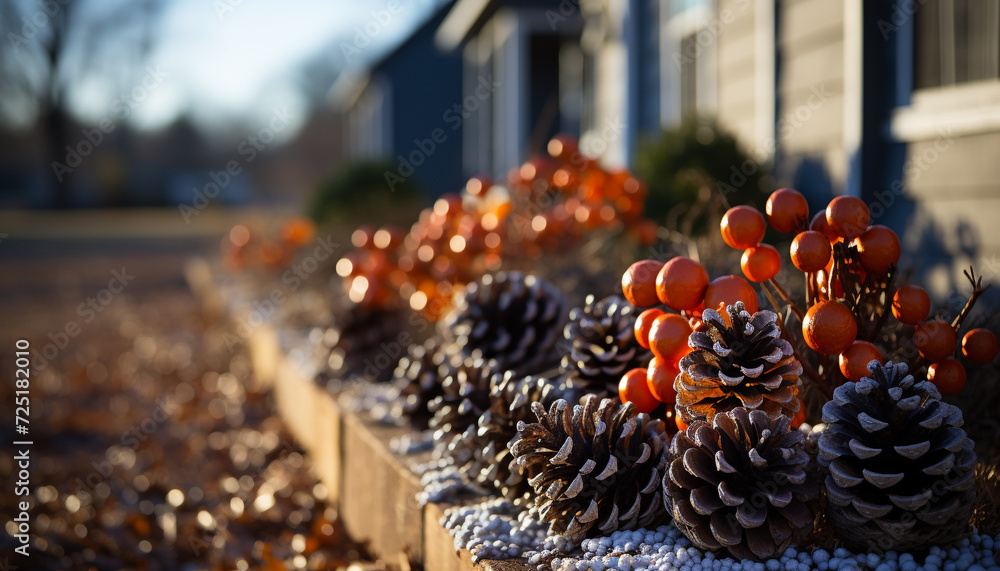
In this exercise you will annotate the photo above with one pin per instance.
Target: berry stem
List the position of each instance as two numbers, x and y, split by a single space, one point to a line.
977 290
818 380
784 295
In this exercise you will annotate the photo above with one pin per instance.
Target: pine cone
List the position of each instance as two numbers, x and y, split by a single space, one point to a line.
482 450
740 483
602 345
597 466
419 376
747 365
465 394
510 318
901 468
361 340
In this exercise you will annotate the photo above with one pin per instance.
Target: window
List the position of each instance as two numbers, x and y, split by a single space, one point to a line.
955 42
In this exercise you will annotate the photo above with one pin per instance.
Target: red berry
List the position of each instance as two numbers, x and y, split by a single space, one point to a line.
660 376
681 425
786 210
854 361
742 227
911 304
948 375
639 283
829 328
681 283
643 323
935 340
668 337
728 290
810 251
847 216
980 346
878 248
633 388
760 263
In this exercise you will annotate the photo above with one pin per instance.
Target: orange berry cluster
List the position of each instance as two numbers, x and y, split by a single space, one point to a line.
549 204
846 260
674 294
243 248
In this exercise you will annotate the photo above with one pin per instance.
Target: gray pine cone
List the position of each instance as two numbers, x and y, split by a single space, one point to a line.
509 318
901 470
600 338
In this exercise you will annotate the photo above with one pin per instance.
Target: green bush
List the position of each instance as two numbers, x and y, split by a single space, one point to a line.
685 163
358 193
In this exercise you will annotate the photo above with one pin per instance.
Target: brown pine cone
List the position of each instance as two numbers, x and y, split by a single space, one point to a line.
740 483
745 365
597 465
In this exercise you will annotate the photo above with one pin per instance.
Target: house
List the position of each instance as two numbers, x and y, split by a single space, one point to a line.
894 102
407 107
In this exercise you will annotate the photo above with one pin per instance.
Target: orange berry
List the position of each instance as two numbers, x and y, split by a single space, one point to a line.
800 416
829 328
810 251
935 340
847 216
819 224
660 376
878 248
681 283
362 237
643 323
854 361
786 210
742 227
639 283
728 290
563 146
681 425
911 304
980 346
633 388
478 185
668 337
760 263
948 375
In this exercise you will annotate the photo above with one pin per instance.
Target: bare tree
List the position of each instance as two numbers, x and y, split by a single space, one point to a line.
53 43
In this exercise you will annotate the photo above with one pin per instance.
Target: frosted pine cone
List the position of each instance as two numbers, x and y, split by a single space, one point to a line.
601 343
746 365
740 483
509 318
598 466
901 469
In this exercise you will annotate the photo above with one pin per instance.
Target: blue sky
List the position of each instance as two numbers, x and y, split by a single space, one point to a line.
229 61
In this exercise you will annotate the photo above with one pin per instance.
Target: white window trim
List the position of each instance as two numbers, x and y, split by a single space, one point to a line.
673 29
765 44
964 109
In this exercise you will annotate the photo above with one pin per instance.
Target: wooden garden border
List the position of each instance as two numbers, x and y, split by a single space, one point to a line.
372 488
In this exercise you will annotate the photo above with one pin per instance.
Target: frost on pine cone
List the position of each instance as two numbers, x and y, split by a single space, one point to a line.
740 483
602 345
745 365
465 394
901 470
481 451
419 376
355 340
511 318
597 466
